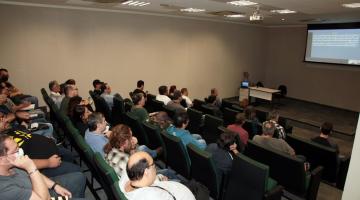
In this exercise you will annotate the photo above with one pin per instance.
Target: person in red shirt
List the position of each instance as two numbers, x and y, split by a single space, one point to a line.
237 128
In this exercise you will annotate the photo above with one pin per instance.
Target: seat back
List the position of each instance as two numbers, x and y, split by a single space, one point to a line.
102 107
169 111
148 106
195 121
117 111
128 104
229 116
208 110
226 104
136 127
153 133
247 179
317 155
288 171
197 104
157 105
176 155
261 115
107 174
210 130
203 169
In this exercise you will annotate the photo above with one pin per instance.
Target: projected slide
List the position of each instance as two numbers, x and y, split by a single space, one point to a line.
340 46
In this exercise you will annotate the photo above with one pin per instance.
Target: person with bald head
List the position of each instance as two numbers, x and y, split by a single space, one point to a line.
141 183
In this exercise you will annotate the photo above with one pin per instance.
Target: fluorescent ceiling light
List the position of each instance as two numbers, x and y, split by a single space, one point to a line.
284 11
135 3
235 16
192 10
80 2
351 5
242 3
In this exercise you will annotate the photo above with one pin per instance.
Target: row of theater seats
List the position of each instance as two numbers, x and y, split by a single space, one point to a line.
193 163
297 181
97 166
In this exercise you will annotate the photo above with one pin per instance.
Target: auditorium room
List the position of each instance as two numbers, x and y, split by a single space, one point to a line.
180 99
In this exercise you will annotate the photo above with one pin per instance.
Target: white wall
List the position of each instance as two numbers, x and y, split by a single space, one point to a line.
42 44
351 190
334 85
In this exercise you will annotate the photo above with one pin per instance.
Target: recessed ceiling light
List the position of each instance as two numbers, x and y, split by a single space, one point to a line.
242 3
192 10
284 11
235 16
135 3
351 5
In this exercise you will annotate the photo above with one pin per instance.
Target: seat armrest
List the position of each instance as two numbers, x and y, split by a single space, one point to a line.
343 169
275 193
314 183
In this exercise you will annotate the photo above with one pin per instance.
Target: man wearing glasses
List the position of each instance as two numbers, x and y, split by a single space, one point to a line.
139 181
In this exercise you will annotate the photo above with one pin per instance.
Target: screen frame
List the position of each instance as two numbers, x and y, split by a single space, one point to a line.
352 25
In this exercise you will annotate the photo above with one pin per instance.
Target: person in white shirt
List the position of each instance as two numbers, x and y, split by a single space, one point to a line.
106 94
185 95
162 96
140 182
55 93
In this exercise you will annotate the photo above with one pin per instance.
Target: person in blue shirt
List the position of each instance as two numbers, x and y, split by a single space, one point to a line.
98 132
181 120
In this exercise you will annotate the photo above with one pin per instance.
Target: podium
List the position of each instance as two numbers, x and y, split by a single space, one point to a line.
244 96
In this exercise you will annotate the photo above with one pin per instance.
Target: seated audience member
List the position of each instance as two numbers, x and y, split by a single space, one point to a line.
185 96
34 119
70 82
181 120
80 118
215 93
12 107
266 140
161 119
120 146
106 94
279 130
223 152
162 96
140 181
15 94
73 102
97 87
138 108
45 153
21 179
140 88
250 116
323 139
211 103
175 103
237 128
97 133
70 91
55 93
171 91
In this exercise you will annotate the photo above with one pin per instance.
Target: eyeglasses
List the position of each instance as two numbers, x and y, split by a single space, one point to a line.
153 164
9 154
